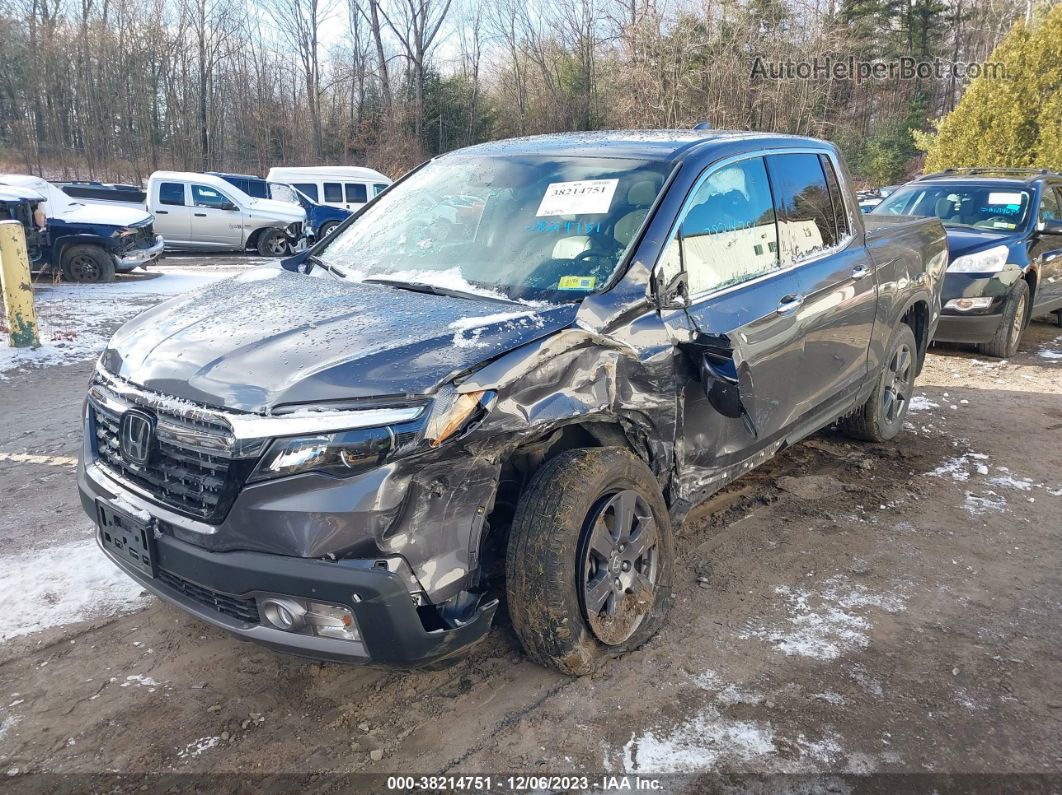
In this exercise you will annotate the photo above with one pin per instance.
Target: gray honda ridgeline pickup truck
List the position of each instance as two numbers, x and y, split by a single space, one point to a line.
510 375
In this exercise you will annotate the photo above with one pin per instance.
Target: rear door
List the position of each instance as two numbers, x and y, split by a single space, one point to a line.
837 288
742 305
216 219
173 215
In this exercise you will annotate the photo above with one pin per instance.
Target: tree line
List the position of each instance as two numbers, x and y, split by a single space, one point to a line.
115 89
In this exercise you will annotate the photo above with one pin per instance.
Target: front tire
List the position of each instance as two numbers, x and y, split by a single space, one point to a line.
881 417
326 229
273 243
87 265
1004 343
590 559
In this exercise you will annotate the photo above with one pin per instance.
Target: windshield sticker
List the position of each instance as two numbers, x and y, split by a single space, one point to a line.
1004 198
565 227
582 197
577 283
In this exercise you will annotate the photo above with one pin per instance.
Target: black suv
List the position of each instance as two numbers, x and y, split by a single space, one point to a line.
1005 242
355 455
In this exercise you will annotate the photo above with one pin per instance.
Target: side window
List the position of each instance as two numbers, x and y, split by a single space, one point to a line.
259 190
333 192
202 196
727 232
309 188
171 193
805 214
1049 206
378 188
840 213
356 193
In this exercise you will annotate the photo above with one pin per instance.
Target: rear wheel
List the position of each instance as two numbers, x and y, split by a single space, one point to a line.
881 417
273 243
87 264
1004 343
590 559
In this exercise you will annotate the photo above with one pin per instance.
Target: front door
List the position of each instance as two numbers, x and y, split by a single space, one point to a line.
742 308
837 286
216 219
1046 252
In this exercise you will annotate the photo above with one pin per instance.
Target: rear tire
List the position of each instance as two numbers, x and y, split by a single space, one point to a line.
273 243
326 229
1004 343
881 417
87 265
585 577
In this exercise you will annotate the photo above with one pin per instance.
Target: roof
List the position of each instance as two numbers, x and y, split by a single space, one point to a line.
349 172
996 176
636 144
14 193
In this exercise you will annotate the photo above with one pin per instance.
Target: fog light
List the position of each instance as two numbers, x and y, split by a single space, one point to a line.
966 304
285 614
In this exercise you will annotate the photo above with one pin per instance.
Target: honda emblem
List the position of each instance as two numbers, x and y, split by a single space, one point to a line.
137 434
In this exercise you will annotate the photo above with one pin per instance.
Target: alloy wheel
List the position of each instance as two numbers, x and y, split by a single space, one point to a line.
898 382
618 566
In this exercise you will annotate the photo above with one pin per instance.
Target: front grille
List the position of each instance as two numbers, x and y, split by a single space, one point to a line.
245 610
195 483
143 237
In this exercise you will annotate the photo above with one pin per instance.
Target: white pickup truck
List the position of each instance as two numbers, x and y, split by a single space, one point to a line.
202 212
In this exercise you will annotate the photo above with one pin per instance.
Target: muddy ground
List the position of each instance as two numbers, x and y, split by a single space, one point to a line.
847 607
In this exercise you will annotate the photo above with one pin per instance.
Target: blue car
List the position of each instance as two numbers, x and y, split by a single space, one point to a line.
320 218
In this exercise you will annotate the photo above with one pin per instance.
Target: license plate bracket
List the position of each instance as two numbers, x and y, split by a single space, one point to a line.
128 538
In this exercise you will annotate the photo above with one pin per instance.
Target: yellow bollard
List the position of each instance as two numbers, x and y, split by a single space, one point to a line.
18 290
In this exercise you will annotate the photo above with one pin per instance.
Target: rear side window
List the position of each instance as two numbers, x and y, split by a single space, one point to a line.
805 213
378 188
309 188
171 193
840 214
728 233
252 187
333 192
356 192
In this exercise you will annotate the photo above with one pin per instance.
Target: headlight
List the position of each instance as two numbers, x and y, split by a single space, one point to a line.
989 261
337 454
455 412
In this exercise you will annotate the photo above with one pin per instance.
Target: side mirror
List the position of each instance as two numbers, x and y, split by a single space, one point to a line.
229 206
1052 226
670 292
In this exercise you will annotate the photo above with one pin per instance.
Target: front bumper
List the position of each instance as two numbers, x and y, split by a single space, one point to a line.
967 328
197 580
141 256
977 325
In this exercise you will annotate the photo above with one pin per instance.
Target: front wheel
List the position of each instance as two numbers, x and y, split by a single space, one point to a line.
881 417
590 559
273 243
1004 343
88 265
326 229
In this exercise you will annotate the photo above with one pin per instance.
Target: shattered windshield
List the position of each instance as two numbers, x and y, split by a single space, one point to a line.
533 228
999 209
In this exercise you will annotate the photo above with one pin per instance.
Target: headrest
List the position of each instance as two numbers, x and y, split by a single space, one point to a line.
944 208
643 192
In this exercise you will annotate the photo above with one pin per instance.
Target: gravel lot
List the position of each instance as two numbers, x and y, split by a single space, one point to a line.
846 608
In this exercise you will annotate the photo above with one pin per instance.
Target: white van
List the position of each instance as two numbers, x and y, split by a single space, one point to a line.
346 187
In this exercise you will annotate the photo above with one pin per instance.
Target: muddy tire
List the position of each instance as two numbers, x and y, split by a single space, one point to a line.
273 243
1004 343
881 417
590 559
87 265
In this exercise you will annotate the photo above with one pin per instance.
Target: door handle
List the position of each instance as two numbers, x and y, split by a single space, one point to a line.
200 215
789 303
162 212
859 271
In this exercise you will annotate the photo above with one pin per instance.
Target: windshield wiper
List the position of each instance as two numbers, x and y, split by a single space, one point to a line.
434 289
320 263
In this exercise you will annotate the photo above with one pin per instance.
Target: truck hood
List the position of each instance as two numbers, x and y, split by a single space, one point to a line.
968 241
109 214
276 210
270 337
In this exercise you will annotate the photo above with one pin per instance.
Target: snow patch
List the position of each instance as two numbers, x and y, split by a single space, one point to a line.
976 504
825 622
1011 482
52 587
921 403
697 744
959 468
196 747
